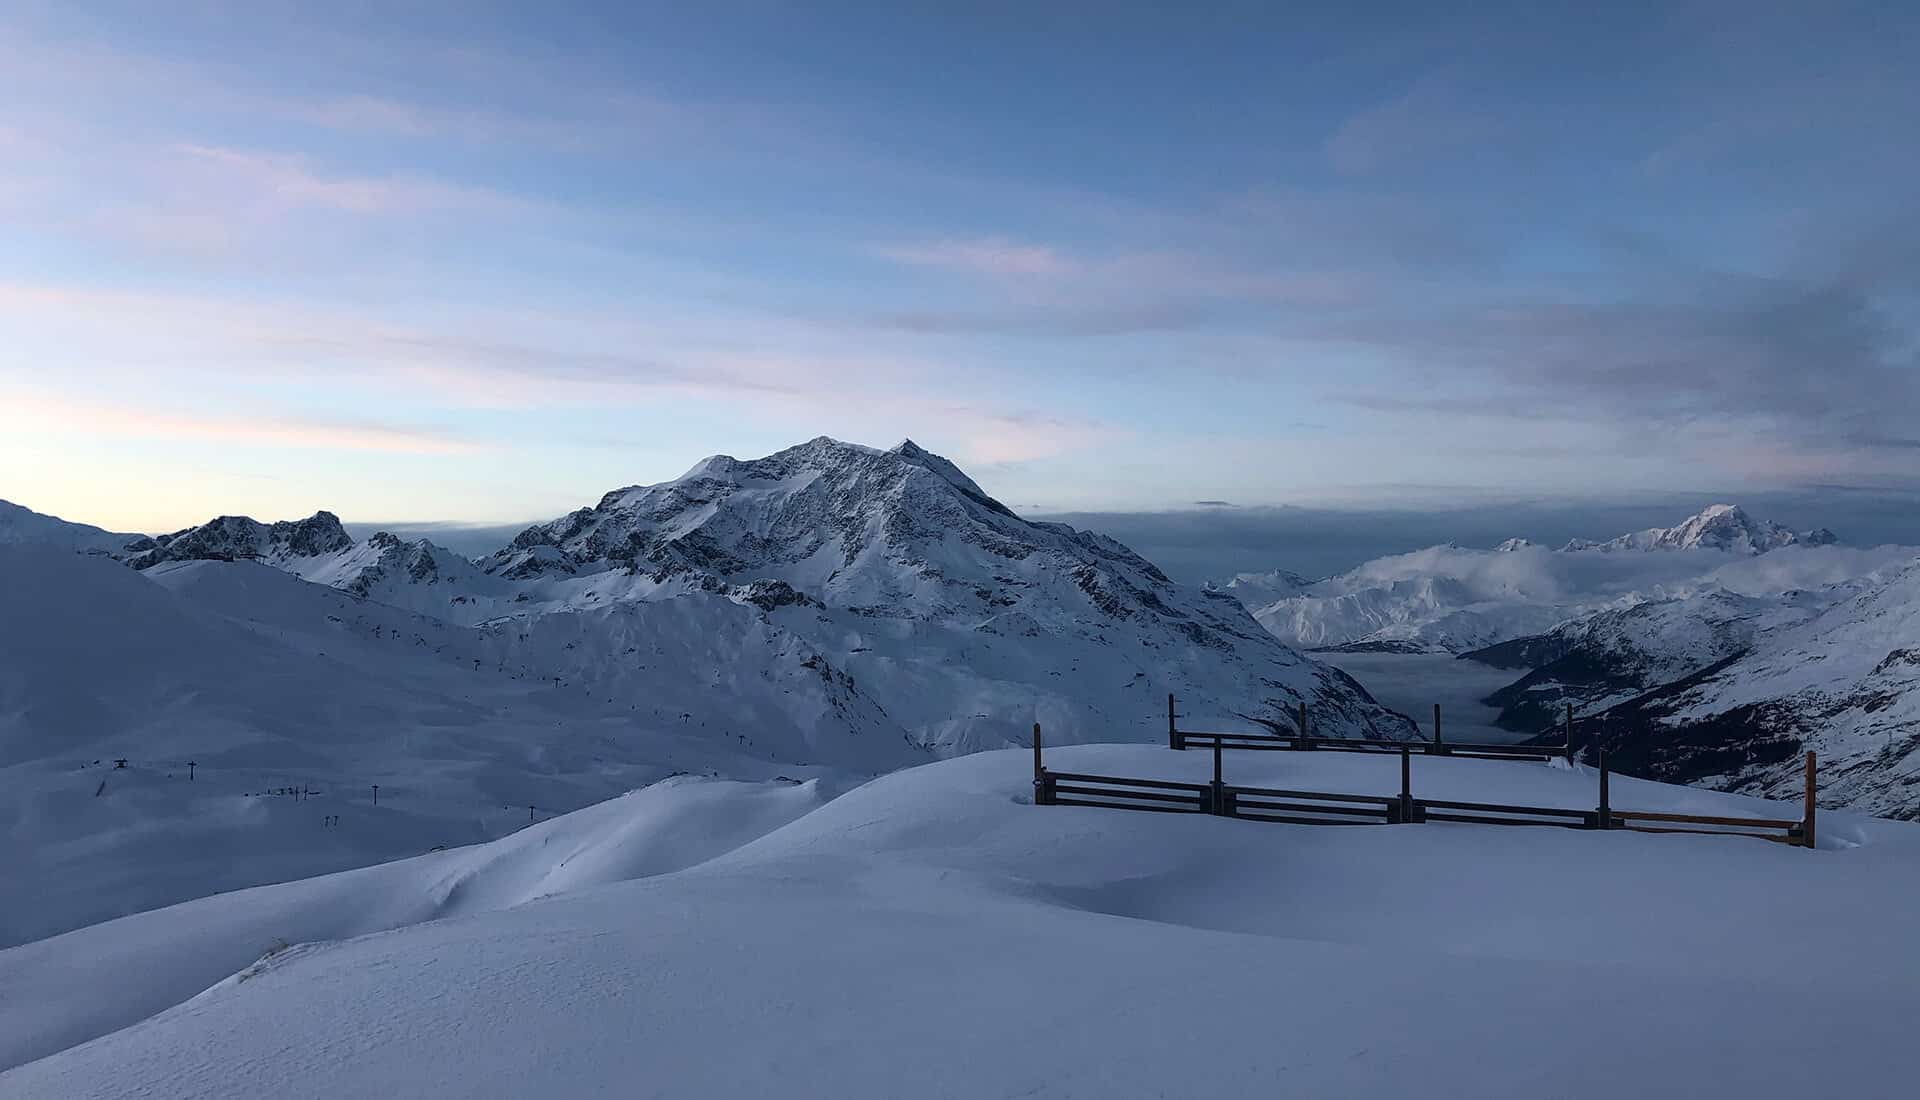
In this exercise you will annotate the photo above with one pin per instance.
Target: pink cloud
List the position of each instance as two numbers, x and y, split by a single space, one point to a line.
31 412
1154 274
291 180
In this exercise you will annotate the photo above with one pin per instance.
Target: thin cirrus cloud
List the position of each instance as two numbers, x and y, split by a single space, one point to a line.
28 413
988 256
291 180
465 367
1431 120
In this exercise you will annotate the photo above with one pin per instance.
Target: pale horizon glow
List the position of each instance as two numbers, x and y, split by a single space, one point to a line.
482 263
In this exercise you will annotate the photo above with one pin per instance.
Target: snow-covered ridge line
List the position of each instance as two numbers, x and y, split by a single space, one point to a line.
1454 599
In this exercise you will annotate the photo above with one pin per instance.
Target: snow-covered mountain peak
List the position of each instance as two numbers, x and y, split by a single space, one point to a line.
22 526
230 537
867 551
825 503
1725 527
920 456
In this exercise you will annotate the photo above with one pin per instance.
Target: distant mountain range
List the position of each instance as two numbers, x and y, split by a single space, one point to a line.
1453 599
1729 693
830 610
1711 652
960 619
1724 527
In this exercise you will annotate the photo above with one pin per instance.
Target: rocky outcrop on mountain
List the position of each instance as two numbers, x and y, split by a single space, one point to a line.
417 575
1614 655
234 538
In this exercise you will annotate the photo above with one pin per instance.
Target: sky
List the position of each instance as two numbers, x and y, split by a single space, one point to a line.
480 263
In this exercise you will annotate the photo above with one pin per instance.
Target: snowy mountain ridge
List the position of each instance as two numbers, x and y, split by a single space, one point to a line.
1842 680
829 608
895 560
22 526
227 538
1454 599
1725 527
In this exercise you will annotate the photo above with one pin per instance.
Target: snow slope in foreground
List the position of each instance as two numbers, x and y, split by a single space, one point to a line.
930 935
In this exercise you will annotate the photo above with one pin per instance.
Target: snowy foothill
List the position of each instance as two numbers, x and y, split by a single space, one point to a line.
256 713
934 933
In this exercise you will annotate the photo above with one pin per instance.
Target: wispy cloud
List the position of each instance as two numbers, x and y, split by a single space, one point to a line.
28 412
985 256
1431 120
261 178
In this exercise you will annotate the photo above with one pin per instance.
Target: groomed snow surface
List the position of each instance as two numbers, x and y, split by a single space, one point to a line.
932 933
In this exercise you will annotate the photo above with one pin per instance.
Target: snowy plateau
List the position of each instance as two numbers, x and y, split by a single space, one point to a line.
722 787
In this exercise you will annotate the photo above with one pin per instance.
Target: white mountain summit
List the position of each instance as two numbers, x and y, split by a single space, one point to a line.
962 619
1725 527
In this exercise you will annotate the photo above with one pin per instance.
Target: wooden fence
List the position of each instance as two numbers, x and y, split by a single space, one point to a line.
1303 740
1221 799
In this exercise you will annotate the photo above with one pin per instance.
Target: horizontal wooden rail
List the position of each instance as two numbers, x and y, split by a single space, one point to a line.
1583 820
1307 807
1114 790
1702 819
1500 807
1167 784
1789 837
1287 820
1194 809
1275 792
1288 741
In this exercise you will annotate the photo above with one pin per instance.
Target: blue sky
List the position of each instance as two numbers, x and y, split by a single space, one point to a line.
483 262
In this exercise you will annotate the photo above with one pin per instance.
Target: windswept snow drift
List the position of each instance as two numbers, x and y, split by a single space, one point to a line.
930 934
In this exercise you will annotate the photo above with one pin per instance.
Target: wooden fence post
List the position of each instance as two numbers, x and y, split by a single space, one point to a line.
1438 743
1606 807
1406 784
1219 788
376 794
1042 788
1569 733
1174 740
1806 814
1304 743
189 771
